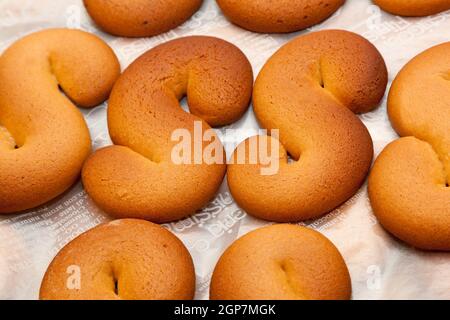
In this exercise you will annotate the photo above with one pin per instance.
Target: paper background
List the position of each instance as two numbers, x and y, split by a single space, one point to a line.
380 266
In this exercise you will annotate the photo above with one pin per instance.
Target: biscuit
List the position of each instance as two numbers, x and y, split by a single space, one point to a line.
124 259
408 185
140 18
138 177
310 91
413 8
45 140
281 262
280 16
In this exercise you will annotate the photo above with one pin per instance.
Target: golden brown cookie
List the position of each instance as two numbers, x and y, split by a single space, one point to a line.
309 90
413 8
409 184
44 140
124 259
140 18
280 16
281 262
138 177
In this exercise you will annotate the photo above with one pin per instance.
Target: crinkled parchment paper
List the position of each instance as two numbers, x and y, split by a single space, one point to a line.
380 266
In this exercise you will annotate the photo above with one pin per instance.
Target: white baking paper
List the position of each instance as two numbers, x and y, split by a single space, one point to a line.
381 267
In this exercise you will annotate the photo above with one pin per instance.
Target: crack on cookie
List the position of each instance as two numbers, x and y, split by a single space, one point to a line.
286 268
445 75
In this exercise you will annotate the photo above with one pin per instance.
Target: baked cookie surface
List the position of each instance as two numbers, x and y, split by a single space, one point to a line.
408 185
140 18
309 91
281 16
281 262
413 8
141 175
44 139
124 259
